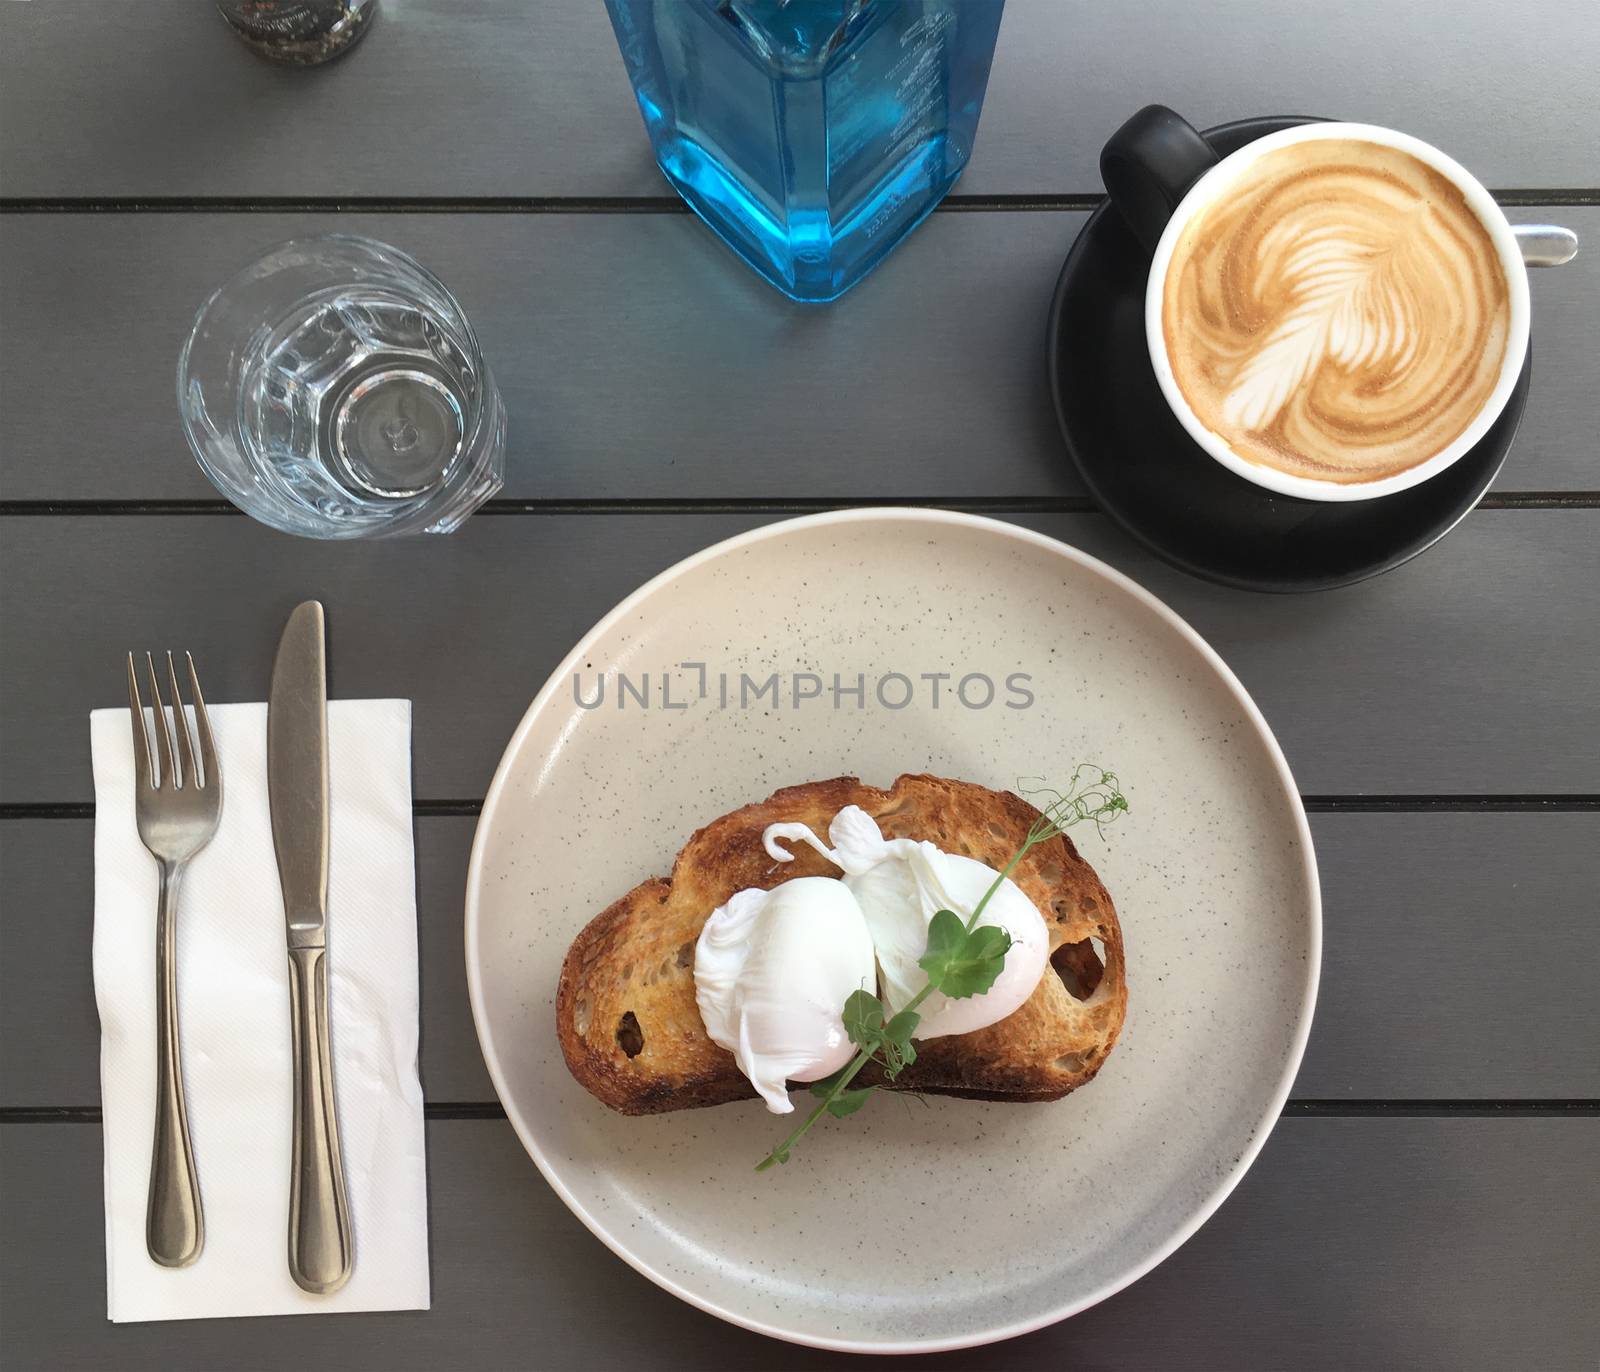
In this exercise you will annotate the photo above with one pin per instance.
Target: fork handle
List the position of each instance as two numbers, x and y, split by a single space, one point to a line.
320 1255
175 1229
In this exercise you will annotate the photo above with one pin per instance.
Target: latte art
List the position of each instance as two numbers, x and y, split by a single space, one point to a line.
1340 312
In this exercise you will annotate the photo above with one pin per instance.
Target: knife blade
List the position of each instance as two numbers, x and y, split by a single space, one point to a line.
320 1247
297 773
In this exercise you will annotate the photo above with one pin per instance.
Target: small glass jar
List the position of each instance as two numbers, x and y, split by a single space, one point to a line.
302 33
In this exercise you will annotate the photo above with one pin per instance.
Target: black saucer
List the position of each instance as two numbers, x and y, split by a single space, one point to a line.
1147 473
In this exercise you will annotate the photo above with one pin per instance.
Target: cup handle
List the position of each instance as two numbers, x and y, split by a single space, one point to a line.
1545 245
1148 166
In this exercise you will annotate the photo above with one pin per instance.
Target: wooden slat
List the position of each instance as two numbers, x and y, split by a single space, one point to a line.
46 977
1416 1243
491 97
639 359
1458 960
1473 670
495 97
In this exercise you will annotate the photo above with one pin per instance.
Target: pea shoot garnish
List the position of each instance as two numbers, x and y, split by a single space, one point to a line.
962 959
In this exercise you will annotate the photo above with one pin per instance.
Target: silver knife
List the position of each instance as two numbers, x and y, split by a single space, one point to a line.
320 1248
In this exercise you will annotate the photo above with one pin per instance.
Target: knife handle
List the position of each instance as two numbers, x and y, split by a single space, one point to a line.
320 1249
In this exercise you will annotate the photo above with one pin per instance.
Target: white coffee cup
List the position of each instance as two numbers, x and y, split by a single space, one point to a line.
1213 185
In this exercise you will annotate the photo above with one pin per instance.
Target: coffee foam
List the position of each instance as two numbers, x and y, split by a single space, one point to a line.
1339 312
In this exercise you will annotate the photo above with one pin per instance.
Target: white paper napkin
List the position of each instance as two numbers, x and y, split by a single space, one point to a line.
233 1005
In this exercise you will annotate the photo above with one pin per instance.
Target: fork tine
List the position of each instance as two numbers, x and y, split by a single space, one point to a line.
180 723
141 741
162 731
208 747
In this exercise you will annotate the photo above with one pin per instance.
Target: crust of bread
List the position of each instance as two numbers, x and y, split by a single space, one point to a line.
626 1016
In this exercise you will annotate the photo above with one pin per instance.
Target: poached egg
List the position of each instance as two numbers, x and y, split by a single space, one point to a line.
773 968
900 885
772 971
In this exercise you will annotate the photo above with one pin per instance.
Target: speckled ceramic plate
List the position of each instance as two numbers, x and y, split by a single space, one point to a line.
1043 1209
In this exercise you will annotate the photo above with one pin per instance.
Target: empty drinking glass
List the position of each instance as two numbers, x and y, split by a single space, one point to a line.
335 389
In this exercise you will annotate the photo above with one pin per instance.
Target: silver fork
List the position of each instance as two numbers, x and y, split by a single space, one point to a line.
177 806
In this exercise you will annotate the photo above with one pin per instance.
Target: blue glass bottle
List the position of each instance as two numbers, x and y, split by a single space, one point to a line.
812 135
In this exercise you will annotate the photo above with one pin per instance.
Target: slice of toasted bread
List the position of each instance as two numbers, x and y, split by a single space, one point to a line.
625 1006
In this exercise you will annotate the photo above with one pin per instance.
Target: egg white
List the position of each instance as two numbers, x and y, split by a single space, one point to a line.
772 971
899 898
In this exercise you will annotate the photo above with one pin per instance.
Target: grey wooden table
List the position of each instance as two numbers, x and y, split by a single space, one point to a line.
1432 1196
